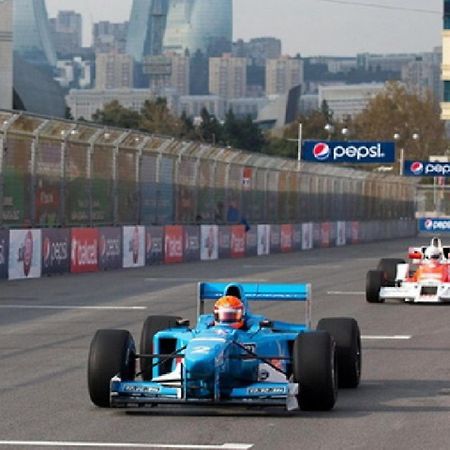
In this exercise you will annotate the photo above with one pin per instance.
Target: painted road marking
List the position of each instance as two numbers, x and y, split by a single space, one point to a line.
345 293
394 337
101 308
124 445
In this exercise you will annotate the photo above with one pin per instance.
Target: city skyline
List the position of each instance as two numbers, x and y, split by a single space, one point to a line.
388 26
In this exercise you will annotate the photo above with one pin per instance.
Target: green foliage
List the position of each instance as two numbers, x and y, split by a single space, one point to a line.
115 115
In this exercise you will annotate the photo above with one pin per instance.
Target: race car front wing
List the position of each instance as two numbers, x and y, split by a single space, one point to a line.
418 292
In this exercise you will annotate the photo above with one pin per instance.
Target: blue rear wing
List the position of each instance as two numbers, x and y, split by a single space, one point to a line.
257 292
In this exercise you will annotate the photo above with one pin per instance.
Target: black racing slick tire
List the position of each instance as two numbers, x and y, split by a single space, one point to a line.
345 331
151 326
315 370
112 352
389 267
374 282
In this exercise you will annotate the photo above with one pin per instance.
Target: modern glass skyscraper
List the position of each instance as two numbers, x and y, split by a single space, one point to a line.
146 28
205 25
32 36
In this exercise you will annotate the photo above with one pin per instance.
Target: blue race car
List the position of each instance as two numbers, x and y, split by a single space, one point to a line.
261 363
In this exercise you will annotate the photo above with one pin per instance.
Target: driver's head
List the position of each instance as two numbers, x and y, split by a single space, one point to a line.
229 310
433 253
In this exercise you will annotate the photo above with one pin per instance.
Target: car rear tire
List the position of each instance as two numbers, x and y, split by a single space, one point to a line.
389 267
315 370
374 282
112 352
345 331
151 326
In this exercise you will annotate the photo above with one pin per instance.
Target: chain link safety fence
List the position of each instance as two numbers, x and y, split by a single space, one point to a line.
56 173
434 200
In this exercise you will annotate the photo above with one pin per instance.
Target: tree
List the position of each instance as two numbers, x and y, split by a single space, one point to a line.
156 118
210 129
115 115
395 110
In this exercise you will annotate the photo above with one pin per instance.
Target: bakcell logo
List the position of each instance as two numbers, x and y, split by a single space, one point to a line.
321 151
417 168
174 247
428 224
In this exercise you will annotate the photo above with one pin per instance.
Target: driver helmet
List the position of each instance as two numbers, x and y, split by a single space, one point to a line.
433 253
229 310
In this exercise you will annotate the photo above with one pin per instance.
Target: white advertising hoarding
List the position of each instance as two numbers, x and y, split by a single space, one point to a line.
25 251
341 234
263 240
307 236
209 242
133 246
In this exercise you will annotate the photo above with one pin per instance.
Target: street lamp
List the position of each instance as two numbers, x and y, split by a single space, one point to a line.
345 132
329 129
415 137
299 141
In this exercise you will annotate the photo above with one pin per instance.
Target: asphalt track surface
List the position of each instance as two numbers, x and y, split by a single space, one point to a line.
46 326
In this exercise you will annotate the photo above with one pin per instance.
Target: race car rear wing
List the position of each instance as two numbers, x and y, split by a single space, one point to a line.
256 292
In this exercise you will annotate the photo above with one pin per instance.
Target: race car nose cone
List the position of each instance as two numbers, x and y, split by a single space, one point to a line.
200 356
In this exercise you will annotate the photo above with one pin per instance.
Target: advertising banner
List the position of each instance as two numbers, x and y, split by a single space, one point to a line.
349 152
191 243
286 238
84 250
238 241
209 242
173 244
325 234
154 245
333 234
341 238
426 169
4 247
263 232
24 254
297 237
307 236
55 251
317 235
110 248
224 241
275 239
133 246
355 233
431 225
251 242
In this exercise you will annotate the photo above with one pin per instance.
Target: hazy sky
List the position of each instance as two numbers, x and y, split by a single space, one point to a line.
310 27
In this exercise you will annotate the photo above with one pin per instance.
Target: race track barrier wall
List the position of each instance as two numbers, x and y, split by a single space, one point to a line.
33 253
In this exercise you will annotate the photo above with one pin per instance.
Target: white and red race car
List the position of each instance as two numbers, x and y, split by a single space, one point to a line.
425 279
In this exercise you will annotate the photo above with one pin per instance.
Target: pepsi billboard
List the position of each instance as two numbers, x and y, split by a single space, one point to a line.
434 225
426 169
110 248
349 152
4 247
55 251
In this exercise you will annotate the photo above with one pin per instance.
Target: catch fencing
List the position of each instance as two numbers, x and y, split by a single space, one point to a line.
56 173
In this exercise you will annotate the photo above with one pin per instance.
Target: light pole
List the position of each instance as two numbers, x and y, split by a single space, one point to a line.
329 129
415 137
299 141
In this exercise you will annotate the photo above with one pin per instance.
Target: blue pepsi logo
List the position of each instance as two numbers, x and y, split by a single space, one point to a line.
428 224
321 151
417 168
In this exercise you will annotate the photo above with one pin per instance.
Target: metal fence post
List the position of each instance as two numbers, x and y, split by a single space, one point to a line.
115 193
89 153
3 148
33 167
62 187
138 178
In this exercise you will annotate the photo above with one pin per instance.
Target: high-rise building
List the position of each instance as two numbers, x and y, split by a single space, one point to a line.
113 71
228 76
67 31
108 37
282 74
169 71
32 37
445 105
205 25
147 27
6 54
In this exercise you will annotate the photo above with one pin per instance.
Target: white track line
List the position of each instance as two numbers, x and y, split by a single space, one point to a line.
100 308
345 293
125 445
393 338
